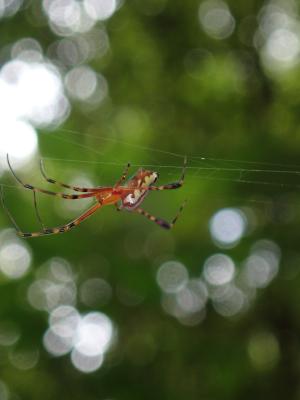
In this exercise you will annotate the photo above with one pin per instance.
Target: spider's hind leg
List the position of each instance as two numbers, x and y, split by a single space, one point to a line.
37 211
58 229
13 221
61 195
6 210
54 181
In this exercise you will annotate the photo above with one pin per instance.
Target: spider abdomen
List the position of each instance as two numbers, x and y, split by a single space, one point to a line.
133 199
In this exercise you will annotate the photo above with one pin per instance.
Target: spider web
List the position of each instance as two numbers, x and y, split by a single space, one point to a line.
282 177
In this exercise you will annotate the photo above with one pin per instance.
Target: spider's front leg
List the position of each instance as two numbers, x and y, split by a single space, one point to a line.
174 185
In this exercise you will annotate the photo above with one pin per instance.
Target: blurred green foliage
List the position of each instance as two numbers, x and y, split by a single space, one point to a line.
175 85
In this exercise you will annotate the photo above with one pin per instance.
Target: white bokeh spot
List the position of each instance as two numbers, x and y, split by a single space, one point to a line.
227 227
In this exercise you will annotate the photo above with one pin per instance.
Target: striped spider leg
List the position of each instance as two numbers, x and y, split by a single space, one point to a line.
75 188
123 177
81 189
49 231
36 189
174 185
45 230
159 221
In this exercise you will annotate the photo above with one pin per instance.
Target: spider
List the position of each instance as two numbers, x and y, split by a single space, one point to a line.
126 196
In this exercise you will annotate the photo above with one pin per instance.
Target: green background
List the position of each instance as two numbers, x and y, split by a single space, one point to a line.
177 88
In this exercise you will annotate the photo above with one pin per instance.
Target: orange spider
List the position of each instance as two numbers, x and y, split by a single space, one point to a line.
129 197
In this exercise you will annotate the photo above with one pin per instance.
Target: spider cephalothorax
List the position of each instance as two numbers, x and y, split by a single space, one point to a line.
124 196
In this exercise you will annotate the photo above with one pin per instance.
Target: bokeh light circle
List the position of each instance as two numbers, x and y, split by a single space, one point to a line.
15 259
172 276
227 227
216 19
94 334
219 269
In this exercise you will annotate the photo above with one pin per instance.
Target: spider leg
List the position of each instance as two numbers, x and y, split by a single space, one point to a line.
36 189
7 210
37 211
123 177
75 188
159 221
50 231
174 185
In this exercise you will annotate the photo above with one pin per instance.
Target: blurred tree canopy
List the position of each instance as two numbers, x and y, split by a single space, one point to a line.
119 308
